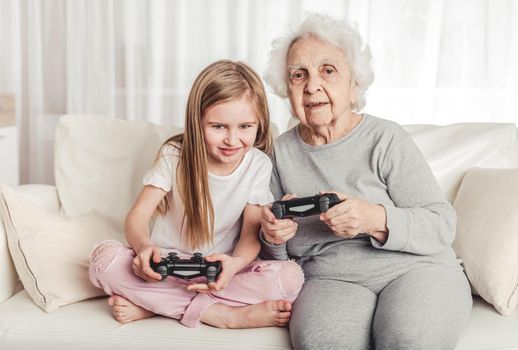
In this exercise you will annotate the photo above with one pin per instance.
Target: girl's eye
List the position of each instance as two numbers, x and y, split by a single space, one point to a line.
246 126
218 126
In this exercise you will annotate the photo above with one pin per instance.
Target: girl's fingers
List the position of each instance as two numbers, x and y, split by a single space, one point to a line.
216 257
289 196
157 254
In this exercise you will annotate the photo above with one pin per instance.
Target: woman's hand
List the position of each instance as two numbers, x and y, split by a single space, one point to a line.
354 216
277 231
141 261
230 265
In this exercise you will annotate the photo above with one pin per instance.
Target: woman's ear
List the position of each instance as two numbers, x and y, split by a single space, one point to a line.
354 95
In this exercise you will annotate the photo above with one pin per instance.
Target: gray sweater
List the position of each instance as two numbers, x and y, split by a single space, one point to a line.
378 162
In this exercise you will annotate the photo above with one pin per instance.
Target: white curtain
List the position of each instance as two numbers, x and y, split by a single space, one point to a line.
436 61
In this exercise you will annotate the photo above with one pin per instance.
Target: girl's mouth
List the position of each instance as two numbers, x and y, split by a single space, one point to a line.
229 151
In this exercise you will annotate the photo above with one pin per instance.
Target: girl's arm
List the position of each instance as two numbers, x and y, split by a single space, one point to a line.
137 231
245 251
248 246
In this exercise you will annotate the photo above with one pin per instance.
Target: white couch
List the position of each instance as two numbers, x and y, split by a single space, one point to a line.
450 150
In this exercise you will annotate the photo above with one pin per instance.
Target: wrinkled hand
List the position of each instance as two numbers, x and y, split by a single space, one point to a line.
354 216
230 265
141 265
277 231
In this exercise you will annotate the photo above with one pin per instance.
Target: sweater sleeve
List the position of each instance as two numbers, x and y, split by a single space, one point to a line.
421 221
271 251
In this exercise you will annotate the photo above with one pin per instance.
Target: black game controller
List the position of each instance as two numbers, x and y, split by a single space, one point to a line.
305 206
196 266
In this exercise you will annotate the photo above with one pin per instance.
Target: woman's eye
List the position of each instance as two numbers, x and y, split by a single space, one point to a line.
246 126
218 126
298 75
329 70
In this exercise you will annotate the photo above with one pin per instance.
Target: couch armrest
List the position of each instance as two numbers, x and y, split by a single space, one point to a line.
43 195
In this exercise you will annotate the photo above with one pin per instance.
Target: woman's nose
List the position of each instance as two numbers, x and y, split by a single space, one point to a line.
313 84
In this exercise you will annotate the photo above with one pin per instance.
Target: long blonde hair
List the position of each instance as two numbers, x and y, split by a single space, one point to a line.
219 82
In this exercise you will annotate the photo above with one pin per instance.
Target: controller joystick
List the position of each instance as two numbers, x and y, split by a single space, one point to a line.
277 210
324 203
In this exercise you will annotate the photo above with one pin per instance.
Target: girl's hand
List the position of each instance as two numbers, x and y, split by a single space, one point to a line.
141 261
354 216
277 231
230 265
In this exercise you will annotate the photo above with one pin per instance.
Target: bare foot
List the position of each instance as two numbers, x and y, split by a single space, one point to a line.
265 314
125 311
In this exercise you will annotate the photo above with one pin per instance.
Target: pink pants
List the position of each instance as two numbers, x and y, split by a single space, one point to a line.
110 269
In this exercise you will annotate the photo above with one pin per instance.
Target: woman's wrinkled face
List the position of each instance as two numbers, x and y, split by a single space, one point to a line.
319 82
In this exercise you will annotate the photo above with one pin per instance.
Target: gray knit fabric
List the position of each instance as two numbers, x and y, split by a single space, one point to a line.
379 162
346 293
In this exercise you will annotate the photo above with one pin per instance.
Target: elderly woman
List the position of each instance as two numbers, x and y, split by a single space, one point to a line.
380 270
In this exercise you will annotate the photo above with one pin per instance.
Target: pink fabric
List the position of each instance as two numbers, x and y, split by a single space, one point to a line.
110 269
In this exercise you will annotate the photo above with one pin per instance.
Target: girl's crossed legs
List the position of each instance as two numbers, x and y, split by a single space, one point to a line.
260 295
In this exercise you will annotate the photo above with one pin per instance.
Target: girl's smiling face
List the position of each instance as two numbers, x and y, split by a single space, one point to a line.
230 130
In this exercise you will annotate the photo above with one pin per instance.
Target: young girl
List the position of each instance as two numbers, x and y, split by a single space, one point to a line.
207 186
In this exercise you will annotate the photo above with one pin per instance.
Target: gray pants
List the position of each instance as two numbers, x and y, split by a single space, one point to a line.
359 297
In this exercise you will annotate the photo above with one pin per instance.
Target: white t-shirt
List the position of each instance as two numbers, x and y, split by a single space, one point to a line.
249 183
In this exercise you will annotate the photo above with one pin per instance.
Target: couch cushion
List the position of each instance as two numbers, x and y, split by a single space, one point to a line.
487 234
89 325
42 194
450 150
99 162
50 252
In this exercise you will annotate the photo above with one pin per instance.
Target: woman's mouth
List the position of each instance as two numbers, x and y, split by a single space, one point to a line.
315 105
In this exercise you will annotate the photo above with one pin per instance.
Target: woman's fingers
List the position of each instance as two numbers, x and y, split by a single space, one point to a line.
279 224
281 236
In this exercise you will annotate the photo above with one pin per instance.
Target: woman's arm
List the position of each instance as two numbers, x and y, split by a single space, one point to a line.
421 220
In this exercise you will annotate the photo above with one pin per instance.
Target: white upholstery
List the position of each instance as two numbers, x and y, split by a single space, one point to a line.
450 150
111 176
8 276
89 325
43 195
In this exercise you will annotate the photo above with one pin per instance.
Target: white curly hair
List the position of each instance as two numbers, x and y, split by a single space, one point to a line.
336 32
